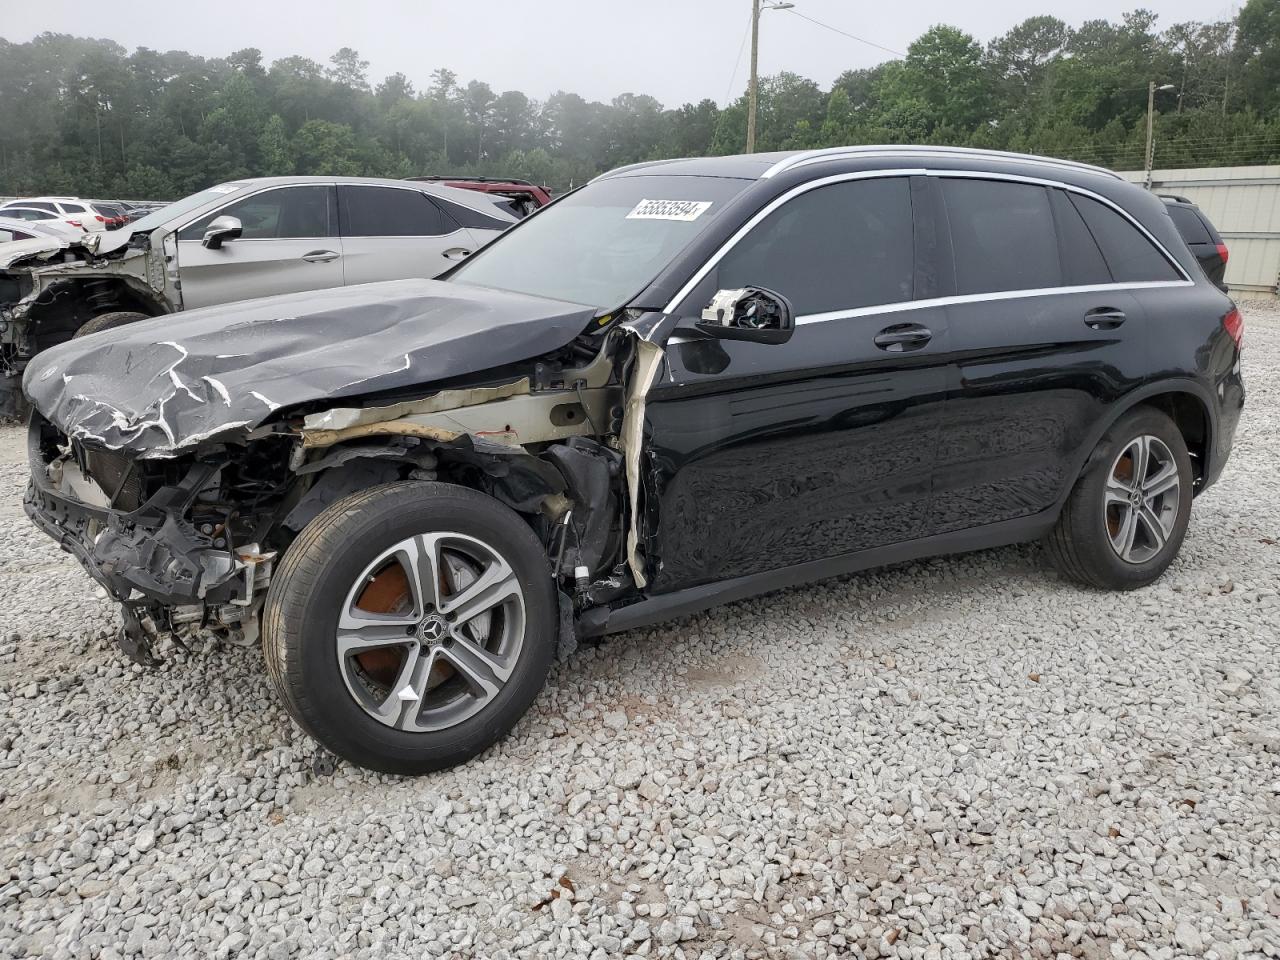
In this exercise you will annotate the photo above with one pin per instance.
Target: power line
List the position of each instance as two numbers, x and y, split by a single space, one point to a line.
844 33
736 63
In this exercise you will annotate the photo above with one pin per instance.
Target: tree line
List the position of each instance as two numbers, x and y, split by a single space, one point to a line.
86 116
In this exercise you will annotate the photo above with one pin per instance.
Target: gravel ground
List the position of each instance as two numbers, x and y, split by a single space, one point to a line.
966 757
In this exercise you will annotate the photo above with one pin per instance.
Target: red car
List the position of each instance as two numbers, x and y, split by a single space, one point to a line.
524 197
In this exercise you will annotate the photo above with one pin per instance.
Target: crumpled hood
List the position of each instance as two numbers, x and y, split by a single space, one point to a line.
161 385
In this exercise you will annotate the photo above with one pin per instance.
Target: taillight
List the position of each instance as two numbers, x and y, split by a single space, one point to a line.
76 223
99 218
1222 252
1233 323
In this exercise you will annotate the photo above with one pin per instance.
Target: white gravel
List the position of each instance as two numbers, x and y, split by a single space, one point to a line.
961 758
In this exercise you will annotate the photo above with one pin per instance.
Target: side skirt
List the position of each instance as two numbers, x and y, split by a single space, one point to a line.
682 603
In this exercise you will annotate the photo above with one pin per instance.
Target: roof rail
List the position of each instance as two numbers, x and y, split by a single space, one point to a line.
806 157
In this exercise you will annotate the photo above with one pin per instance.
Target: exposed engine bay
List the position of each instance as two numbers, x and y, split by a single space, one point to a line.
184 520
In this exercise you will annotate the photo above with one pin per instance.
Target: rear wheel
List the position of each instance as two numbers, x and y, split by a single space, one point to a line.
1126 518
411 625
108 321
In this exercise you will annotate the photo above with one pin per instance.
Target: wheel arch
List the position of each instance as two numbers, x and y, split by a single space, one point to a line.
1187 402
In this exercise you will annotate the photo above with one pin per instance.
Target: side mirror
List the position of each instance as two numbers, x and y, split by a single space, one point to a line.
750 313
220 230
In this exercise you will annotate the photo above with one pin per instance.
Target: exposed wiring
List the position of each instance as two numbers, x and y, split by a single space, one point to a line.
737 63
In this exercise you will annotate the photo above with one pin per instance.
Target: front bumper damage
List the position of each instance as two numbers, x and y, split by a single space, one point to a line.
168 576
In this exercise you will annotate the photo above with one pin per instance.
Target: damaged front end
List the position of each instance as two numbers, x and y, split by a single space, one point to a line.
48 290
180 507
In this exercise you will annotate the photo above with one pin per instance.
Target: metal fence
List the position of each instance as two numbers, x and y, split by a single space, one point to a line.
1244 204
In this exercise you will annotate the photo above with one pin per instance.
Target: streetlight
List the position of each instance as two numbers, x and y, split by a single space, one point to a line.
756 6
1151 110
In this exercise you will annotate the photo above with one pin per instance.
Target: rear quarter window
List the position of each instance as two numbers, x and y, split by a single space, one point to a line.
1130 255
1189 225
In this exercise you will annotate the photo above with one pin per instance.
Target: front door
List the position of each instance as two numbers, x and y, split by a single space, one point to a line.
764 456
289 242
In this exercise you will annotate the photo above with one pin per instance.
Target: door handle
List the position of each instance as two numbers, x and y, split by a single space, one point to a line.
901 337
321 256
1104 318
457 253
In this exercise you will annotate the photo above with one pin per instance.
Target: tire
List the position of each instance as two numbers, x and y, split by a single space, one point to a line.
107 321
350 703
1088 543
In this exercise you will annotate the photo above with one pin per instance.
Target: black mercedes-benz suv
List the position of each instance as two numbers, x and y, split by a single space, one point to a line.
685 383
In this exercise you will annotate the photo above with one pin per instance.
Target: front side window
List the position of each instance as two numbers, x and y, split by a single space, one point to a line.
838 247
39 205
1130 255
284 214
1002 236
390 212
601 245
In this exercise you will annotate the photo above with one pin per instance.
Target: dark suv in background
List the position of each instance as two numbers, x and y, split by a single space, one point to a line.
687 382
1202 237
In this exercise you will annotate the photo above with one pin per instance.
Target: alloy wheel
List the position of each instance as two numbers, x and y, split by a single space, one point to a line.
430 631
1141 499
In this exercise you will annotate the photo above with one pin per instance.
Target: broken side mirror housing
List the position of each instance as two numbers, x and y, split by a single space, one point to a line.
755 314
220 230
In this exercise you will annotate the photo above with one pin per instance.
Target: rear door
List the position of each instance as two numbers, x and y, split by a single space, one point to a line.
397 233
768 456
1046 333
289 242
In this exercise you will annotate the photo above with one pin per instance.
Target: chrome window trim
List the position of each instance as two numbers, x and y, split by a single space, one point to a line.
803 188
906 305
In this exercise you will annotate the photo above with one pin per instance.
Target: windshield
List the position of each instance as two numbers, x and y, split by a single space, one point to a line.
601 245
158 218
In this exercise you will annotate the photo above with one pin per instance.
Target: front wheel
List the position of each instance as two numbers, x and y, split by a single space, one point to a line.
107 321
411 625
1126 518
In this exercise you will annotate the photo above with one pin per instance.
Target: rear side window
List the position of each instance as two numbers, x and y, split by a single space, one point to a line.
469 217
1082 262
1189 225
1002 236
289 213
838 247
390 212
73 208
1131 256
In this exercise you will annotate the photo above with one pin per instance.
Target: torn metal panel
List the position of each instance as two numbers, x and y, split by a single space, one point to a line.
160 386
648 361
519 418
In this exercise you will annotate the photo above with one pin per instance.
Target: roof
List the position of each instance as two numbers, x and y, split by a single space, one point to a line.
763 166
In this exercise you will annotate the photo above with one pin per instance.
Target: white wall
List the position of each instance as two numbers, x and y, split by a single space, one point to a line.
1244 204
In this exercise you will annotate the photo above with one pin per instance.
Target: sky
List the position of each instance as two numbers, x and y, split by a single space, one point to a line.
676 50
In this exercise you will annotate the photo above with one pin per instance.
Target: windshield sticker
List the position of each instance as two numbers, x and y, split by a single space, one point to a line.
669 210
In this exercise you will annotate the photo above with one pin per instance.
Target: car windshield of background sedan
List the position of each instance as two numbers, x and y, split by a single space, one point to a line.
601 245
158 218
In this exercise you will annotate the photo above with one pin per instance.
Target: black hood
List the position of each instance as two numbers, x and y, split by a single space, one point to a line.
164 384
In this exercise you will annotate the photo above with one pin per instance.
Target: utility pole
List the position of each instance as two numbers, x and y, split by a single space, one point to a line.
752 92
753 89
1151 113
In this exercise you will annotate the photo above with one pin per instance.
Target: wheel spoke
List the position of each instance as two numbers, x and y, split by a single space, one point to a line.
1141 460
484 673
1165 479
1123 540
398 704
497 583
1155 529
359 633
1117 491
422 562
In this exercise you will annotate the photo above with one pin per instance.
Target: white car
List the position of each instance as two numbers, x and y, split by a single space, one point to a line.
74 227
71 209
16 229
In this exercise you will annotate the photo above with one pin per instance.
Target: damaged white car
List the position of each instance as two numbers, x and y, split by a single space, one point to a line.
249 238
